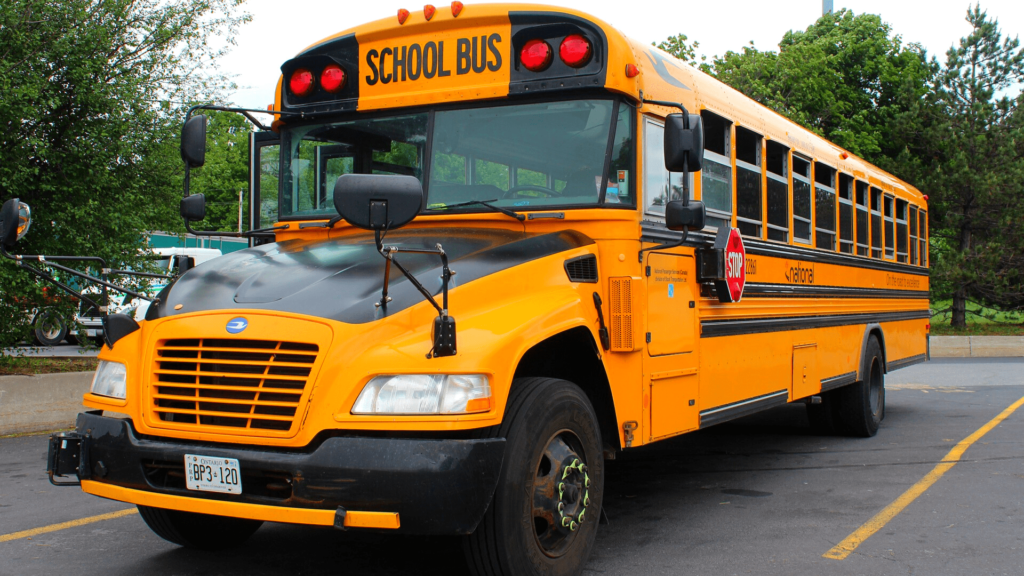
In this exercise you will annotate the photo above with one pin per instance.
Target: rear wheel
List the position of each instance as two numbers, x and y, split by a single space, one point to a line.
862 405
544 515
49 328
199 531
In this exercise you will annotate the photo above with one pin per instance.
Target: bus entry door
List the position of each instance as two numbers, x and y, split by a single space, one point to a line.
671 359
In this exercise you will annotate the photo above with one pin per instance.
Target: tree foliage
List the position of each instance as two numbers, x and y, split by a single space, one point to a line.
93 96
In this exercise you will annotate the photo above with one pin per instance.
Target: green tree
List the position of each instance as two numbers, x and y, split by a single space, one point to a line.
969 142
225 173
681 47
93 95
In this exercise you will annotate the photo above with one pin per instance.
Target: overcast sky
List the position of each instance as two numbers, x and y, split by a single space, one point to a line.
279 30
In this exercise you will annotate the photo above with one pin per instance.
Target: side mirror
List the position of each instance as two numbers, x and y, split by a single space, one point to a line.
193 208
378 201
15 219
684 142
689 216
193 141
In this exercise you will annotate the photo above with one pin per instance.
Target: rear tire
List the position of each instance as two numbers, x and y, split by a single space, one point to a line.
862 404
198 531
544 515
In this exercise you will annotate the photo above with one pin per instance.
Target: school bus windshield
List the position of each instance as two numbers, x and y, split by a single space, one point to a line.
523 156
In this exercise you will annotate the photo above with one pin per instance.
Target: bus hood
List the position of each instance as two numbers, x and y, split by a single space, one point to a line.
341 279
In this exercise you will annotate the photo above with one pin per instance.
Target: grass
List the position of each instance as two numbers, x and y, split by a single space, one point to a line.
12 365
40 433
981 321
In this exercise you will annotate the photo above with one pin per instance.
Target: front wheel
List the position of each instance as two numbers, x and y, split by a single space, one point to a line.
544 515
199 531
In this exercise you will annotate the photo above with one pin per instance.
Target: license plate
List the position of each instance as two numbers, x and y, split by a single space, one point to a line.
211 474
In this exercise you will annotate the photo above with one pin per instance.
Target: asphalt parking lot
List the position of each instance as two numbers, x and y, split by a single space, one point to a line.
758 496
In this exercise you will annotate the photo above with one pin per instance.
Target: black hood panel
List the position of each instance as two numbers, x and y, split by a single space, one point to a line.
341 279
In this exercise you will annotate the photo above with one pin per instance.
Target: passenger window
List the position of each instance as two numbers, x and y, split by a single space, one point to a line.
863 222
492 173
923 237
778 191
801 200
890 236
845 213
716 174
876 222
660 186
901 231
450 168
825 206
748 182
913 235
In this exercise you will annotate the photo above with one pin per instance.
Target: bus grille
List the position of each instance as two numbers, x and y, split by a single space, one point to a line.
231 384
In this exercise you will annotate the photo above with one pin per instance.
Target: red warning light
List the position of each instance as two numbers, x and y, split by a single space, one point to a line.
632 71
428 12
301 82
456 8
575 51
536 55
333 78
403 15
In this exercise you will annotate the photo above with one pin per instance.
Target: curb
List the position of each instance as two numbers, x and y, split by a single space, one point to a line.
41 402
977 346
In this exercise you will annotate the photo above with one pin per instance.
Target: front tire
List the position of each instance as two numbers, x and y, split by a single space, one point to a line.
49 328
199 531
544 515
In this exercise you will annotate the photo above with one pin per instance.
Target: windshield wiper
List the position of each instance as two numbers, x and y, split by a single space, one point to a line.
486 203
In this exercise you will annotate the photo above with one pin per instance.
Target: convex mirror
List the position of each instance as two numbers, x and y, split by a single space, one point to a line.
193 141
378 201
679 216
193 208
15 219
684 142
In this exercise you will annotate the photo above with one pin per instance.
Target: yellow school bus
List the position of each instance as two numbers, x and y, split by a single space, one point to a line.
501 243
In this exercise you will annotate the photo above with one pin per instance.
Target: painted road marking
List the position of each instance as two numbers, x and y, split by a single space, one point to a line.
847 546
69 524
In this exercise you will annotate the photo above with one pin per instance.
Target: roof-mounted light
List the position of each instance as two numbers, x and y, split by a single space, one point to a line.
575 51
428 11
302 82
403 15
536 55
333 78
632 71
456 8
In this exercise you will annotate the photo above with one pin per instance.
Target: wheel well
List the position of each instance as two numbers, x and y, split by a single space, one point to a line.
573 355
876 331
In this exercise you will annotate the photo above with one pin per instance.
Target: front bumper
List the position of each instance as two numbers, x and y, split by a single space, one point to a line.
434 486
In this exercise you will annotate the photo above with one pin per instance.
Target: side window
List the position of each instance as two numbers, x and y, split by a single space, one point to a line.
620 171
890 236
801 199
778 191
913 235
748 182
876 223
716 174
493 173
846 213
660 186
901 231
450 168
824 206
923 237
863 221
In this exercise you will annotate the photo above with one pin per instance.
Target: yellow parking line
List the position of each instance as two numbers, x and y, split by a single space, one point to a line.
69 524
847 546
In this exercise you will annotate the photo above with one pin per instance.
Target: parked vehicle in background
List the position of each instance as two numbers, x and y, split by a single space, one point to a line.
91 321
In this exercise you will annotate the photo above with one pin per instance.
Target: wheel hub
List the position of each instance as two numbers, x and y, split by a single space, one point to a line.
561 494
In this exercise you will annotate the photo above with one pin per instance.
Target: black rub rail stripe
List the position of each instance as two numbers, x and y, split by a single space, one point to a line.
742 408
838 381
764 290
654 233
785 323
904 362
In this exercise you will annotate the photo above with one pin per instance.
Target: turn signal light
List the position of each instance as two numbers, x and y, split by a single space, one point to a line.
403 15
575 51
301 82
456 8
333 78
536 55
428 12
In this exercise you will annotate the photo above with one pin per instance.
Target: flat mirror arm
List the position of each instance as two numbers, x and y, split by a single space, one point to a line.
59 284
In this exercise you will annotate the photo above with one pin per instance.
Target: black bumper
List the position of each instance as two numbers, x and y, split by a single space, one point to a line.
436 486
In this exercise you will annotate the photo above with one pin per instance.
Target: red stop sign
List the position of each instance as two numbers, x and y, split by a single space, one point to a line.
735 265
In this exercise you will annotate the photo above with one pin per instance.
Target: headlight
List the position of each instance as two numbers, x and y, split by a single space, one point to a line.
425 394
111 379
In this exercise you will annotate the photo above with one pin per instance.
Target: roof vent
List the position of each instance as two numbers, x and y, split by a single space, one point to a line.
582 269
